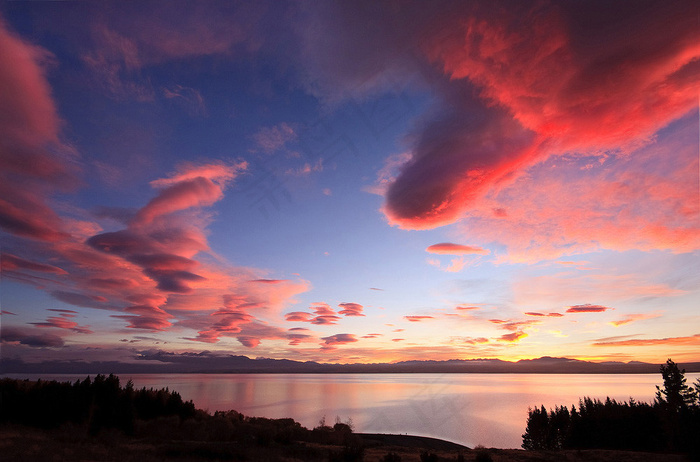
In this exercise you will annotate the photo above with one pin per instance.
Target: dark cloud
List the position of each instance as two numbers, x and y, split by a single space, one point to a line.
30 337
337 339
78 299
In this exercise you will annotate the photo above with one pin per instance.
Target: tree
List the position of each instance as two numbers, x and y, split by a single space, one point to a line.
675 396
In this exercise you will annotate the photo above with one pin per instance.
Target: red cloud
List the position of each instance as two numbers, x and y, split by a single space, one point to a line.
63 323
513 87
447 248
512 337
587 308
418 318
32 164
12 262
351 309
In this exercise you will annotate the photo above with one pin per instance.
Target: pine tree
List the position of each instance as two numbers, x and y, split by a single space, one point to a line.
676 395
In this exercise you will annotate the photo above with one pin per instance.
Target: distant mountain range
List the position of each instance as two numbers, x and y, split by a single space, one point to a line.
210 362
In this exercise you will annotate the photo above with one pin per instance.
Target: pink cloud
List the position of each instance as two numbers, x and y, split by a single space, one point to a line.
447 248
12 262
587 308
633 318
507 97
418 318
63 322
298 316
467 308
322 309
197 192
34 164
298 335
351 309
689 340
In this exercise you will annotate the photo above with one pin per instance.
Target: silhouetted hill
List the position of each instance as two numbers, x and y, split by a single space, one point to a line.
210 362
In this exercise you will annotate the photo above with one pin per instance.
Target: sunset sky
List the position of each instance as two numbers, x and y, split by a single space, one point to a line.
350 181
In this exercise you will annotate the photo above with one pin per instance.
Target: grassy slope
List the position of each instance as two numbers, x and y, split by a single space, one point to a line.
70 443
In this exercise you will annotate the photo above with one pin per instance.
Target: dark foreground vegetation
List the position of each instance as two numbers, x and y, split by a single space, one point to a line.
670 424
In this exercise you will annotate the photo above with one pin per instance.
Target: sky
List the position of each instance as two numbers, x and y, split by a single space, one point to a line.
350 181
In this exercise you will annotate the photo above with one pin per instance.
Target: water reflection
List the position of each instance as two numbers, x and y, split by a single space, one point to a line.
488 409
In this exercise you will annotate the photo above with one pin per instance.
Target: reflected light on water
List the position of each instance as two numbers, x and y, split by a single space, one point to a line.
471 409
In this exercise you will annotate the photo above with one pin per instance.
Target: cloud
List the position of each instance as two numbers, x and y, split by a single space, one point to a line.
351 309
538 314
387 174
633 318
337 339
78 299
271 139
511 89
372 335
325 320
34 163
11 262
298 316
30 337
467 308
307 169
689 340
512 337
298 335
587 308
185 191
469 340
418 318
188 98
447 248
62 322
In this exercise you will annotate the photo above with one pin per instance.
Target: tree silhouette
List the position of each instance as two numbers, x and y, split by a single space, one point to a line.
675 396
671 423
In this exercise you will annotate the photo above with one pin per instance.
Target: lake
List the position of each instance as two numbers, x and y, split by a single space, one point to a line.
471 409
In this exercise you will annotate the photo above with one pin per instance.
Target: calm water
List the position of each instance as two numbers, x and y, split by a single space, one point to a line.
487 409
